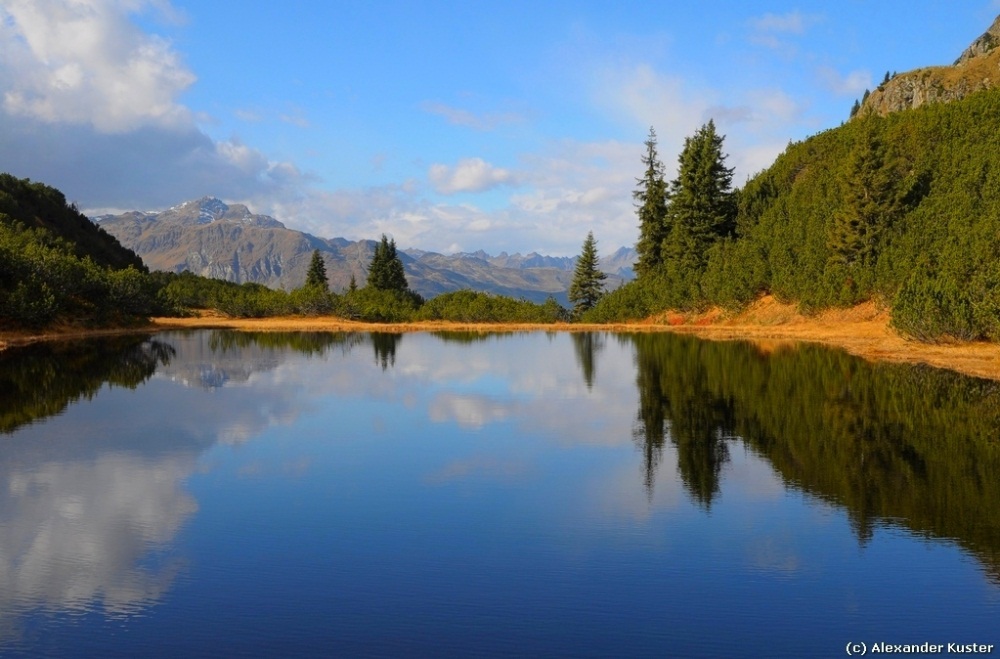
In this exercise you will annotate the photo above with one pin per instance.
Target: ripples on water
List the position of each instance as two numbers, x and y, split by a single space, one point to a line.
223 494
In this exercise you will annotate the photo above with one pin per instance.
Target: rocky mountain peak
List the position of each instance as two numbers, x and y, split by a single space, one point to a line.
212 209
983 45
977 68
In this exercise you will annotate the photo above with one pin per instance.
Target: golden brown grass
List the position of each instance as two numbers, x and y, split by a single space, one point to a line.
862 330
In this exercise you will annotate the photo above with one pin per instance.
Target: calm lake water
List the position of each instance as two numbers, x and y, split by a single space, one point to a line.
222 494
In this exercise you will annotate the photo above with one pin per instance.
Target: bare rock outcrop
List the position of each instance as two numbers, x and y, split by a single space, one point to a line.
976 69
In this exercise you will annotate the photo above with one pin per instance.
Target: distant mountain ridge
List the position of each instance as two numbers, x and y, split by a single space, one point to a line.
214 239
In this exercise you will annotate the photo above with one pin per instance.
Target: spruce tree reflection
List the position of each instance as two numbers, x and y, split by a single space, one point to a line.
651 418
385 344
674 401
586 346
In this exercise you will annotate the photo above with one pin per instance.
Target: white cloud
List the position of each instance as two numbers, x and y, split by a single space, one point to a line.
100 516
645 96
469 175
767 29
793 22
248 115
85 62
566 189
89 106
460 117
854 83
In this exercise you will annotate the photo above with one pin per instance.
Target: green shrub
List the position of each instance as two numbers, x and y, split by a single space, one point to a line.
468 306
379 306
635 300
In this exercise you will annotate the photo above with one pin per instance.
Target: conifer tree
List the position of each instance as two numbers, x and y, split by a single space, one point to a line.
316 276
702 208
386 270
651 206
870 202
588 281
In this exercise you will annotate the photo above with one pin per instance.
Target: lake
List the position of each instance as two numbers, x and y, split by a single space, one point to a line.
225 494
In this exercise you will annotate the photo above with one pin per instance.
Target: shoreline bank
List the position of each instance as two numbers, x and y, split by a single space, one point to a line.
863 331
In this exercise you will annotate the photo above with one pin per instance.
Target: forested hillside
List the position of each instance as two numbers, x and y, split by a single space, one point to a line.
903 209
36 205
56 266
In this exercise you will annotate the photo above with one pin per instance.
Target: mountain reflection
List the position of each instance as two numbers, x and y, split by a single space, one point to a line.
233 357
892 444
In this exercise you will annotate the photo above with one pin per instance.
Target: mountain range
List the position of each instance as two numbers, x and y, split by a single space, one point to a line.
228 241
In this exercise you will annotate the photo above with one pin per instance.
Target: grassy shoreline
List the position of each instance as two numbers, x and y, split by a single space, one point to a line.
863 331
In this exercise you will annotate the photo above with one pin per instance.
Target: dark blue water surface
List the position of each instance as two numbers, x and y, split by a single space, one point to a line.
221 494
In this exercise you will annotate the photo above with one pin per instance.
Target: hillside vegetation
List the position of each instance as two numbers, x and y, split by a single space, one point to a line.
903 209
36 205
56 266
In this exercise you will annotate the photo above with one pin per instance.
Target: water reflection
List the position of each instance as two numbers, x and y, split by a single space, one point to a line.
675 402
94 494
43 379
77 533
385 345
586 347
97 494
892 444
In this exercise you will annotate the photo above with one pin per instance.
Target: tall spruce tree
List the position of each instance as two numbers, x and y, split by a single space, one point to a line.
316 276
871 201
386 270
651 207
702 207
588 280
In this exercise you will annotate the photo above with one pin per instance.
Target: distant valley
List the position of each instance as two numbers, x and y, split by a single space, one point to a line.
214 239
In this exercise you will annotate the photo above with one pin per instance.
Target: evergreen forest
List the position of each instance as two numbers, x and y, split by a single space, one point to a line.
902 209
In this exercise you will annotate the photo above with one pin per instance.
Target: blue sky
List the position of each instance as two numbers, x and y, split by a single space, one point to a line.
451 126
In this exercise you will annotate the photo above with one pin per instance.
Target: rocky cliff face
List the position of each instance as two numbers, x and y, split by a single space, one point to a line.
213 239
983 45
977 68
